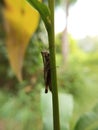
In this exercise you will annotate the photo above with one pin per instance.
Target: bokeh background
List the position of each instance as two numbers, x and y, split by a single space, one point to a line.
25 106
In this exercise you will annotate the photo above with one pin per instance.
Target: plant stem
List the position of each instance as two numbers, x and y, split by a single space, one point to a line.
51 36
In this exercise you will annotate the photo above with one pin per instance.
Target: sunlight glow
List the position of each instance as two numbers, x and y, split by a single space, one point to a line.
83 19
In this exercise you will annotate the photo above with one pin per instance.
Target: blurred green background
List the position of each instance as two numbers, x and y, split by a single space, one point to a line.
25 106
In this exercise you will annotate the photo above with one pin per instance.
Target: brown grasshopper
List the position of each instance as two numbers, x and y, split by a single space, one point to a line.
47 70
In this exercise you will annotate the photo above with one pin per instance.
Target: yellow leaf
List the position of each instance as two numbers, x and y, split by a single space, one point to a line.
21 21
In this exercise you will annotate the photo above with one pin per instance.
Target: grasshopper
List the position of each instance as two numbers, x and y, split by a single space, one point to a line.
47 70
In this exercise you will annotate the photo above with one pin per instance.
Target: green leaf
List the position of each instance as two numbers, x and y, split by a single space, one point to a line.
66 110
88 121
43 11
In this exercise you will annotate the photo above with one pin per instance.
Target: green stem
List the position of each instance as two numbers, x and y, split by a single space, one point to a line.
51 36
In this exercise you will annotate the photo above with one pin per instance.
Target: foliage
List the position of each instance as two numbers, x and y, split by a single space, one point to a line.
79 79
70 2
89 44
66 110
21 111
88 121
7 78
32 64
